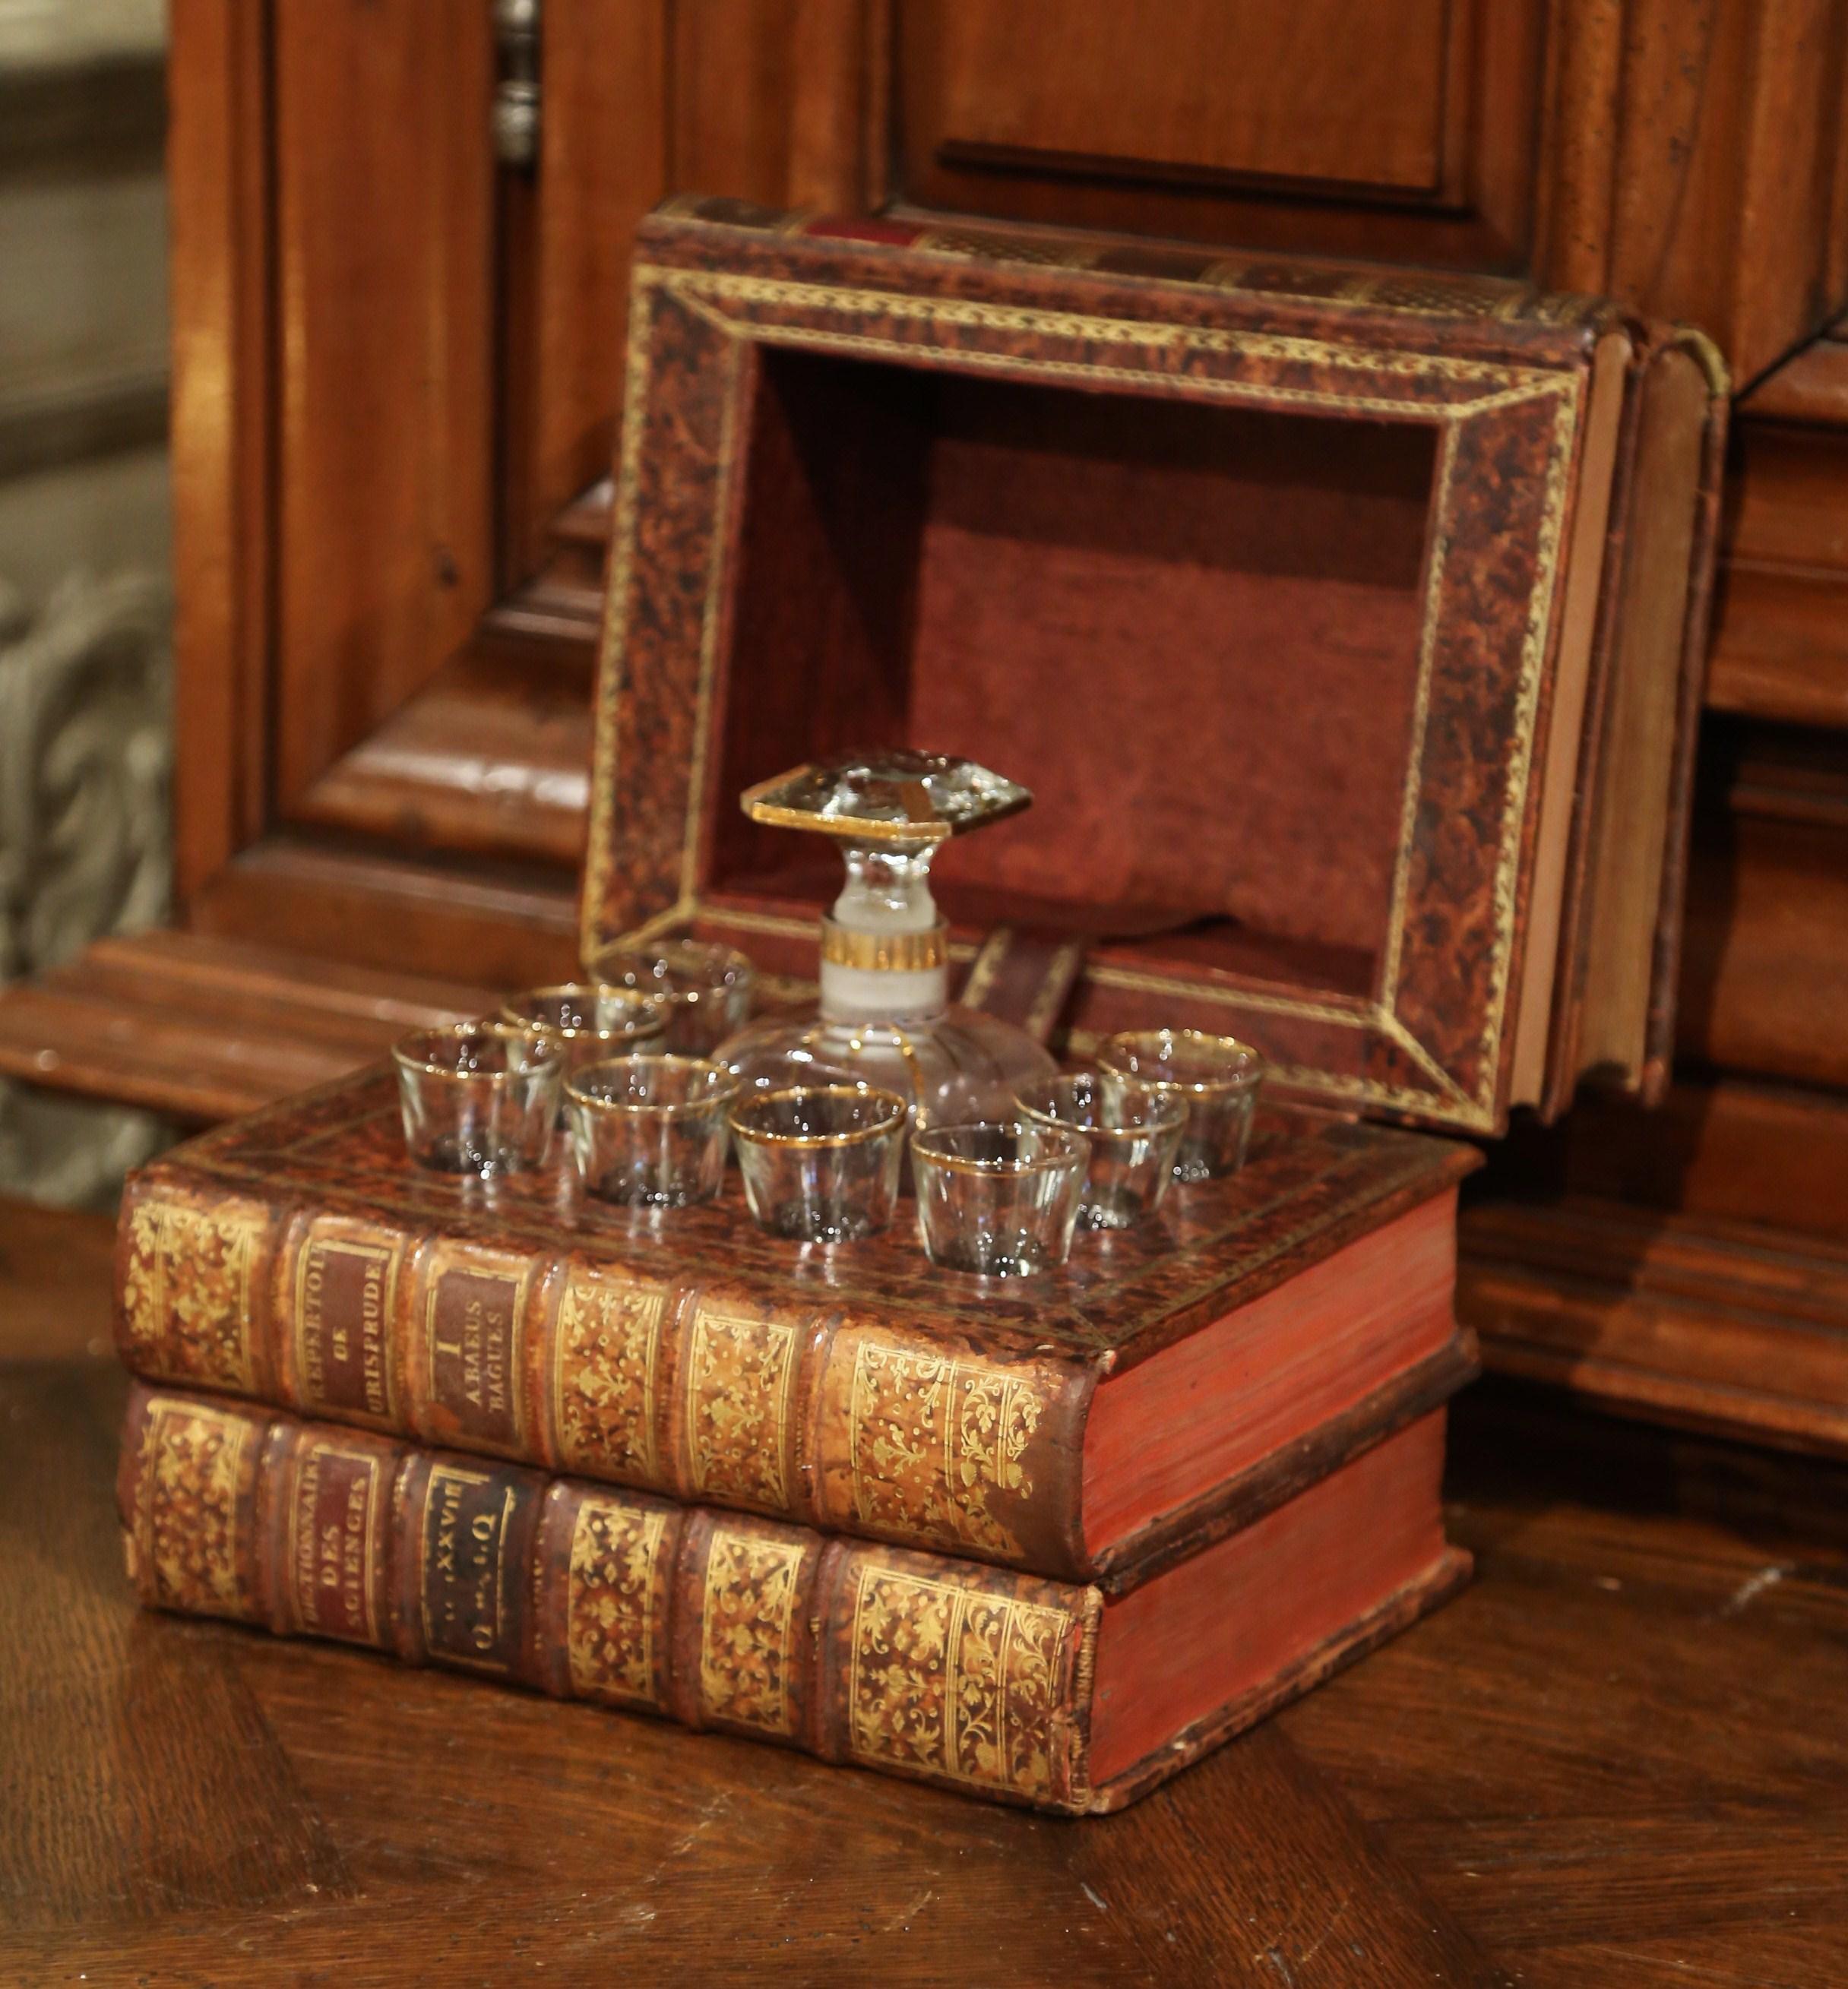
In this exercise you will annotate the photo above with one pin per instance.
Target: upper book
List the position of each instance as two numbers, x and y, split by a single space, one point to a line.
1348 626
1285 1316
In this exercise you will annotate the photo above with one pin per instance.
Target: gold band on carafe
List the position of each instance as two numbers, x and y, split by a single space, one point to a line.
894 953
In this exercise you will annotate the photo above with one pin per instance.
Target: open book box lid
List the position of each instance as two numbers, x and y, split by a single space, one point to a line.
1258 577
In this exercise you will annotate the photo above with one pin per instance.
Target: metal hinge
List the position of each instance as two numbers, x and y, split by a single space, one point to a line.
516 87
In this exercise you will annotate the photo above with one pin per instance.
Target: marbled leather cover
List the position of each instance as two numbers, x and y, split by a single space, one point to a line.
298 1257
945 1670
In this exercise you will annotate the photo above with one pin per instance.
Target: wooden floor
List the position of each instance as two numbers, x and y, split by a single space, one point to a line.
1621 1756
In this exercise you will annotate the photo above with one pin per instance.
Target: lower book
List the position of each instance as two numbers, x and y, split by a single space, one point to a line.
995 1683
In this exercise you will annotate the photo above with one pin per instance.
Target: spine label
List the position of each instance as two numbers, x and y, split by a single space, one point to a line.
937 1446
606 1377
198 1467
615 1602
474 1327
741 1373
468 1586
346 1290
748 1630
336 1522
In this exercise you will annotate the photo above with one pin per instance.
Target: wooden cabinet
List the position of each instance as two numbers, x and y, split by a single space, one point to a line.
398 374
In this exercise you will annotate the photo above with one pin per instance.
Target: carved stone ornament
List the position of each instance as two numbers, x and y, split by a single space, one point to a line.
86 751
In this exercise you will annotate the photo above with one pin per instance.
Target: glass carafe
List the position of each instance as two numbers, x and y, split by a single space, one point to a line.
885 1016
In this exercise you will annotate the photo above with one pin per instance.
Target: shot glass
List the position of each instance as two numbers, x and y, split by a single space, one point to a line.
1217 1077
702 989
591 1023
650 1131
1002 1200
821 1162
1133 1134
478 1098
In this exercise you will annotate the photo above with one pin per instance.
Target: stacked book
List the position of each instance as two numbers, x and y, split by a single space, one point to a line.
1046 1544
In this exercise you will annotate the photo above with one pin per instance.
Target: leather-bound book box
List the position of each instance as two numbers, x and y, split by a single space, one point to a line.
1347 628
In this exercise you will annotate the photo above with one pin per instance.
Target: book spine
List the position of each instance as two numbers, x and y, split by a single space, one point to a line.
940 1670
701 1392
1566 1061
1561 1078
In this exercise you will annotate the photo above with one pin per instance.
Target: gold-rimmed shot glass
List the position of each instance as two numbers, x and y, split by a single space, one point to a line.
478 1098
1217 1077
650 1131
591 1021
821 1162
999 1200
1132 1133
703 988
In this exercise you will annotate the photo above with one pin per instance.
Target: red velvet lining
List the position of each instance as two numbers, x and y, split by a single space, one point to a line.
1192 630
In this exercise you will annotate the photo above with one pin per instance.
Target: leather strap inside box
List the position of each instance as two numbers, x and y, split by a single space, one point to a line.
1025 974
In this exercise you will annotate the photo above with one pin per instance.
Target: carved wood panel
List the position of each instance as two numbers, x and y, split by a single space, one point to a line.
1217 89
1381 127
564 232
383 199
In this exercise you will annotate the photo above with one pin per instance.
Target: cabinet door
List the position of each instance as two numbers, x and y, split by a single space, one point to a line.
401 236
398 333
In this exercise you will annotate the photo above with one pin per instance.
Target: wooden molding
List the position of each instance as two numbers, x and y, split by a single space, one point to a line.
499 924
1728 1327
1764 972
1811 387
1779 650
220 282
1725 1148
204 1029
491 757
